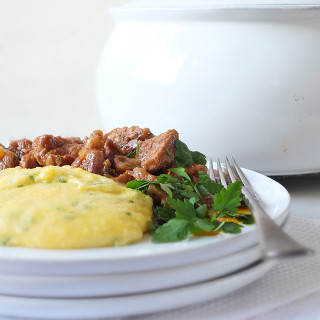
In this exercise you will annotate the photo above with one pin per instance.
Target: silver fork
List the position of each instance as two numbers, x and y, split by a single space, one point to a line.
273 241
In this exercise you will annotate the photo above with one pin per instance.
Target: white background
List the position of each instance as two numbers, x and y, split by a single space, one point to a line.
49 50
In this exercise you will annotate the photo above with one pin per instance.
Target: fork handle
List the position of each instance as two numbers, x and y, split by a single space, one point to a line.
274 242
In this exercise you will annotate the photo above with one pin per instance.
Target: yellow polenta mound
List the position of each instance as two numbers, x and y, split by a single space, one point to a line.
69 208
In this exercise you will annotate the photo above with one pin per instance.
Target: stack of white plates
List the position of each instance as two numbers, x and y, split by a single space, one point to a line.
139 278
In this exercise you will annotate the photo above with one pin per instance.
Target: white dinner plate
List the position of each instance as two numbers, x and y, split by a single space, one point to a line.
126 283
131 304
146 255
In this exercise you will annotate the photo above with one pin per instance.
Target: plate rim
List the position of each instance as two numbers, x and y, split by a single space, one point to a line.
42 256
128 305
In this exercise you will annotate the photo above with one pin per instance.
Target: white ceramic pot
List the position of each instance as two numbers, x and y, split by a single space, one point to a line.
233 79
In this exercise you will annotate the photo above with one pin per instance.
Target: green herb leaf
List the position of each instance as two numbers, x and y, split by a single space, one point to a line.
185 157
152 227
217 225
202 211
167 188
169 153
181 188
228 199
167 178
164 213
187 191
246 219
214 216
132 154
138 184
184 209
135 152
231 227
200 225
174 230
206 186
198 157
181 172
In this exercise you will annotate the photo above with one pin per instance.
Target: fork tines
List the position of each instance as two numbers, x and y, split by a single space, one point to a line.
219 175
274 242
231 174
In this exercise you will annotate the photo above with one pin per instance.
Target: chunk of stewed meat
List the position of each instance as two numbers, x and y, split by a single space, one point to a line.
158 153
137 174
95 140
56 151
124 177
8 159
126 138
111 149
123 163
157 194
92 161
143 174
20 147
107 155
91 157
28 161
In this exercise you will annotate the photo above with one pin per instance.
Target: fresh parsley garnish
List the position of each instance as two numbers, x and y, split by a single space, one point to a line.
206 186
138 184
186 210
132 154
246 219
231 227
185 157
174 230
228 199
163 214
169 153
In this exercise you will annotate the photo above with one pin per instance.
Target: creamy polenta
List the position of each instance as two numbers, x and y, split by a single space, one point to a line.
68 208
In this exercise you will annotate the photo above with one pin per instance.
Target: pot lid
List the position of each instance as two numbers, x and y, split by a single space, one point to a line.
205 10
207 4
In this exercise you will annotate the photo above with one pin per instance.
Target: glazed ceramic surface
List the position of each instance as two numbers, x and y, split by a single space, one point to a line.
145 255
129 305
83 286
233 79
